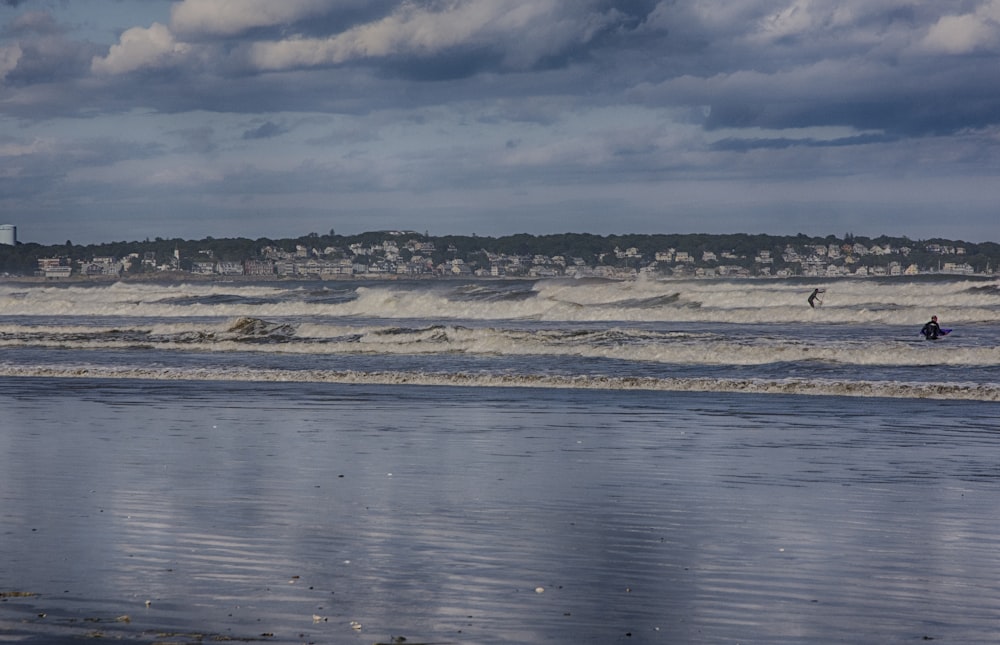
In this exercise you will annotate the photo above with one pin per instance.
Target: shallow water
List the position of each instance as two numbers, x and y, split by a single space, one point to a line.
331 513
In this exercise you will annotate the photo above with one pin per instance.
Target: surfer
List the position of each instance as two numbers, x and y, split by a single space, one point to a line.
814 297
932 330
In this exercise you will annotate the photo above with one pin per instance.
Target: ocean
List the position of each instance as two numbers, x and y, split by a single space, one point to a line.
500 461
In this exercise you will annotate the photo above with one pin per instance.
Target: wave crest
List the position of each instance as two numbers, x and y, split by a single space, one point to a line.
807 387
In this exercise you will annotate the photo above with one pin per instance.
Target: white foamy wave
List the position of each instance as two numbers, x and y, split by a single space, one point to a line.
617 343
153 300
769 301
811 387
846 301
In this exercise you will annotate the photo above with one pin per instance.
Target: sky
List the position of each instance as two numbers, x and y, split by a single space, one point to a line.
124 120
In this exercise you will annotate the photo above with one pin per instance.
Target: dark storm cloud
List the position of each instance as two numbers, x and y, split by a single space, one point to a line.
32 22
458 63
744 145
882 69
199 140
266 130
40 166
47 60
45 54
339 17
894 107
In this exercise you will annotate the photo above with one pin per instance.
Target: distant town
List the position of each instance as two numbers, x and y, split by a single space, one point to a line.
408 254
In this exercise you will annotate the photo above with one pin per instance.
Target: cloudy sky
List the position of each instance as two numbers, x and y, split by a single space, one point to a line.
128 119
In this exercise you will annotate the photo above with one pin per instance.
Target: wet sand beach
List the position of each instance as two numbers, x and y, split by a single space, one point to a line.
160 512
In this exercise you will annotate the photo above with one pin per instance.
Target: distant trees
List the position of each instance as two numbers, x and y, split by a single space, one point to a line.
741 248
20 259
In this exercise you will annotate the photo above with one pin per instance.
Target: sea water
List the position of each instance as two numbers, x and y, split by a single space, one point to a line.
500 462
668 335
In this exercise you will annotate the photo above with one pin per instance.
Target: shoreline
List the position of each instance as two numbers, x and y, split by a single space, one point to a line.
895 390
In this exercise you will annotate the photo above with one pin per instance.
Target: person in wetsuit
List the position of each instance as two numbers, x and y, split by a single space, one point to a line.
814 296
932 330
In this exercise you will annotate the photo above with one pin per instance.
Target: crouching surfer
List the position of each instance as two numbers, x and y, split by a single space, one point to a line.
814 297
932 330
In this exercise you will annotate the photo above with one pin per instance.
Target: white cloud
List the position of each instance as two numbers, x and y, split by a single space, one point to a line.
797 18
140 47
525 30
18 148
229 17
851 19
9 57
966 33
541 25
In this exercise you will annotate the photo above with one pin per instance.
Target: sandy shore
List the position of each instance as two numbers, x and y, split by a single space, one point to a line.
150 511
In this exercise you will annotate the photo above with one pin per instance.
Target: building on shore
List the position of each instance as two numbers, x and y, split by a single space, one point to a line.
8 234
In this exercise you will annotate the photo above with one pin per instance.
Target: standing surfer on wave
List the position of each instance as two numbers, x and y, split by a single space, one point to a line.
814 297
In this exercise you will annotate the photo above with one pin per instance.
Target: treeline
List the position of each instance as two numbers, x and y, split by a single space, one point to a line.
22 258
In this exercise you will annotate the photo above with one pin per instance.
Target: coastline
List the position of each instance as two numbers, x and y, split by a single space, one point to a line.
179 277
828 388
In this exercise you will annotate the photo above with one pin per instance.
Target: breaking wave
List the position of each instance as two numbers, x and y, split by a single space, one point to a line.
638 345
684 301
812 387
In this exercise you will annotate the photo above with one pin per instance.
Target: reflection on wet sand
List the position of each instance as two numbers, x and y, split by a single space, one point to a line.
291 513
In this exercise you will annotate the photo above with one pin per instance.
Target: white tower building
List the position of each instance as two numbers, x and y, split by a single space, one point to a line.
8 234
